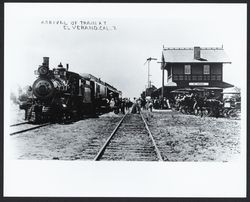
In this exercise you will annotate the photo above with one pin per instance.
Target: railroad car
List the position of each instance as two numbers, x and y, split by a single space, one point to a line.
59 94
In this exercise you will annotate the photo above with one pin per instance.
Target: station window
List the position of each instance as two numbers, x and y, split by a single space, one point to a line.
187 69
206 69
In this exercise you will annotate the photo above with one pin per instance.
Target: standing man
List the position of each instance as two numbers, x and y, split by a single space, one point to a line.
150 105
127 103
112 104
138 105
117 105
134 107
123 106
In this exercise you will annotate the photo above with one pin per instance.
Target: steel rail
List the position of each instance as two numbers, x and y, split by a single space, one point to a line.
152 138
28 129
17 124
99 154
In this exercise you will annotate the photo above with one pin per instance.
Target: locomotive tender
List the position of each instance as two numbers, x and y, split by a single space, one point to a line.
59 95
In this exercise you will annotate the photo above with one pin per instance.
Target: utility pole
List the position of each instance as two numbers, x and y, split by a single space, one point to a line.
148 61
149 74
162 88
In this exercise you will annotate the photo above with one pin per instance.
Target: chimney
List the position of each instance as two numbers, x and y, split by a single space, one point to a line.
67 67
197 52
46 61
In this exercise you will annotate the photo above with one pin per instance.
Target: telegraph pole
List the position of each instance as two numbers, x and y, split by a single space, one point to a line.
148 61
149 74
162 88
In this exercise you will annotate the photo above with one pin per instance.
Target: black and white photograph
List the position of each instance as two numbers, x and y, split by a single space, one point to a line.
125 100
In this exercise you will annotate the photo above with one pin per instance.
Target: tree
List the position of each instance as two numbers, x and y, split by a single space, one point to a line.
13 98
24 93
238 95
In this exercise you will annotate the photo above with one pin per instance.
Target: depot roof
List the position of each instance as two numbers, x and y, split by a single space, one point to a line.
187 55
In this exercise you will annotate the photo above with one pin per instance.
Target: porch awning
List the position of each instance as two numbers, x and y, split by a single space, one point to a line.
203 84
169 84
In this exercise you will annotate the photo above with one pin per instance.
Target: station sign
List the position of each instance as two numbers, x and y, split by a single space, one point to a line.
198 83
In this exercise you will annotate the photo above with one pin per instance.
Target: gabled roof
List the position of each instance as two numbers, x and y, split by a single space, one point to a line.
186 55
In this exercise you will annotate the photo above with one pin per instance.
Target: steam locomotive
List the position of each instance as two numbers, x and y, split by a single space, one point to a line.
59 95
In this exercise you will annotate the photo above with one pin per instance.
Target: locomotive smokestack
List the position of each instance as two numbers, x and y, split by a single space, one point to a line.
67 67
46 61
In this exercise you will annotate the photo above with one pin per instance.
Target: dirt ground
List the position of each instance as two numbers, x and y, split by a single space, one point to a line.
79 140
182 137
179 138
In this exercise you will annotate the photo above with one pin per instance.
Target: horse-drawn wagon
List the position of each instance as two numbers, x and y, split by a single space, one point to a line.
203 102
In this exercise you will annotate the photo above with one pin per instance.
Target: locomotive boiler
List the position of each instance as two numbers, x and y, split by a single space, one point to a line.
59 94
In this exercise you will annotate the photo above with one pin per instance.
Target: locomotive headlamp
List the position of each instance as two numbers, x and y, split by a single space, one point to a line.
42 70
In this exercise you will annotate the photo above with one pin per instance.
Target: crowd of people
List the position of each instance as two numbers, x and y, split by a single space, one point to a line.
190 103
122 105
137 104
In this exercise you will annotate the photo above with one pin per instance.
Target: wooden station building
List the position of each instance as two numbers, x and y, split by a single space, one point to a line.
193 68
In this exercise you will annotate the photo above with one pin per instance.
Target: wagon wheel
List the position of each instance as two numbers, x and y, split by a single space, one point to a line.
225 113
197 112
207 112
191 111
182 109
234 113
174 108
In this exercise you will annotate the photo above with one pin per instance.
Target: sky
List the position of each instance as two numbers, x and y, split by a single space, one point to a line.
117 56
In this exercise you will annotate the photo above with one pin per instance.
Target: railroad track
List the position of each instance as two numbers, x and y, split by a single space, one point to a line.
25 129
17 124
130 140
